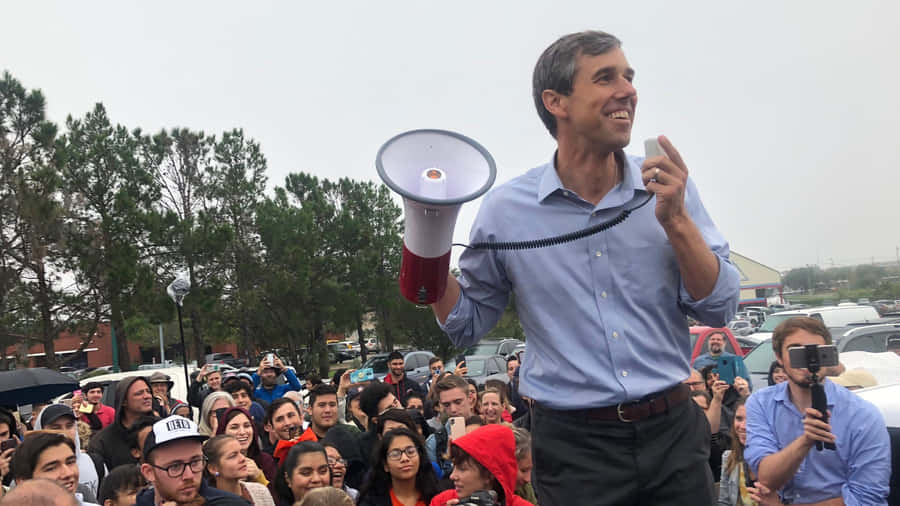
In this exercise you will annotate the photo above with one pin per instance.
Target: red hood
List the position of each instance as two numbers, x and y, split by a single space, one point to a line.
494 447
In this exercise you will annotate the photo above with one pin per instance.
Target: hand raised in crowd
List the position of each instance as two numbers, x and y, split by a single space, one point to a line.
345 383
252 470
201 374
763 495
742 387
77 401
718 390
277 362
5 459
461 369
814 429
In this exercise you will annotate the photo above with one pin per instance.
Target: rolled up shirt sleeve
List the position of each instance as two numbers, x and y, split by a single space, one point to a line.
761 440
717 308
869 473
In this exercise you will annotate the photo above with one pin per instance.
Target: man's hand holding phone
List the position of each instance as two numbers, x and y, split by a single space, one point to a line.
814 429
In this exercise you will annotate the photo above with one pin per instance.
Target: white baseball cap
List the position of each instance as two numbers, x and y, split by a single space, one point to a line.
168 430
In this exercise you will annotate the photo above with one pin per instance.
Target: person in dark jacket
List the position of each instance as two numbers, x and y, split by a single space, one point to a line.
397 378
134 399
173 464
401 472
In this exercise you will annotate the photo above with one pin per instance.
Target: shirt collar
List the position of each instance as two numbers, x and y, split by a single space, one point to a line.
550 182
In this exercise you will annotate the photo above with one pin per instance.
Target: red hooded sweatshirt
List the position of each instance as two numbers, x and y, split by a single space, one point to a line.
494 447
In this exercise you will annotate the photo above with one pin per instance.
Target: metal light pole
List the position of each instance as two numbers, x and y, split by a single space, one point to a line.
177 290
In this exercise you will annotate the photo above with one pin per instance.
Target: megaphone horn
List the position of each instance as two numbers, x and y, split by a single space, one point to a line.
435 171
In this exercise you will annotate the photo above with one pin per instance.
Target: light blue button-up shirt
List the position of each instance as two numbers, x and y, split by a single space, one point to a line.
604 316
859 471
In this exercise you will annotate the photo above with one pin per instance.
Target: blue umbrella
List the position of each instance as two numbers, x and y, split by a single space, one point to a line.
27 386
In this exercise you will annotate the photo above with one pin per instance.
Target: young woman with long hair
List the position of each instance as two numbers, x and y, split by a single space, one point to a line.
238 422
226 469
733 489
401 472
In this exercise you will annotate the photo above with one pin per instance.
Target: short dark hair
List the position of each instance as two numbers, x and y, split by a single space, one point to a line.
556 68
26 457
319 391
122 480
131 436
91 385
395 355
432 360
512 357
276 404
792 325
236 386
371 396
460 456
313 379
414 395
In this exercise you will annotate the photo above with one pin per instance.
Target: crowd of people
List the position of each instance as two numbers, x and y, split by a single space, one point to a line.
601 410
267 439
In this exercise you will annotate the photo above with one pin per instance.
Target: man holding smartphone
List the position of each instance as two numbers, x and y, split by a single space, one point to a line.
728 365
605 315
783 428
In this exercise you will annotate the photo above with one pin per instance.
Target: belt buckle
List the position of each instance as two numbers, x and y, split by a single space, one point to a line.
621 414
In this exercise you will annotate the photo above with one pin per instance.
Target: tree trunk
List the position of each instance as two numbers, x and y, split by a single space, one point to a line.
386 329
47 331
117 324
361 338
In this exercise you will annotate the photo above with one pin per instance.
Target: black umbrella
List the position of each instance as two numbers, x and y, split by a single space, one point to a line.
27 386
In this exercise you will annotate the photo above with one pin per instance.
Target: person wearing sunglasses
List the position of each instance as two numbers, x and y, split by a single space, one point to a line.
173 464
401 472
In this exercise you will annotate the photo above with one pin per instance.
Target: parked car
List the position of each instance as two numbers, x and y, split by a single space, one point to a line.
699 336
337 352
225 358
482 368
109 382
415 363
741 327
831 316
746 343
499 346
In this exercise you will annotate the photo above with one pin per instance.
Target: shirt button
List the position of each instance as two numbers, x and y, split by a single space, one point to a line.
624 373
615 334
603 295
599 253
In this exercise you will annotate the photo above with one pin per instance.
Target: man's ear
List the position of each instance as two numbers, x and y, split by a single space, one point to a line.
135 453
555 103
147 471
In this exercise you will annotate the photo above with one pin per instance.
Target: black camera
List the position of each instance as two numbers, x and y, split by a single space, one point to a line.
480 498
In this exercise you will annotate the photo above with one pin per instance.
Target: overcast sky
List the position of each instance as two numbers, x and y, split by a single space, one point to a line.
785 112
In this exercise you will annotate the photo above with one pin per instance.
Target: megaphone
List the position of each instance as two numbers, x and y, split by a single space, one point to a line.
435 171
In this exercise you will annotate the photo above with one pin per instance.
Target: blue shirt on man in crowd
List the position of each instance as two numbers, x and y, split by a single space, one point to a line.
859 471
277 391
604 315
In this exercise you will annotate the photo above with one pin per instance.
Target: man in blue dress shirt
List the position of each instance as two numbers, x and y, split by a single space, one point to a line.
782 428
608 341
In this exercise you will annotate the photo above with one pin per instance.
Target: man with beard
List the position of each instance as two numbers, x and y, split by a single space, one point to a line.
266 380
720 359
134 399
173 464
782 428
402 385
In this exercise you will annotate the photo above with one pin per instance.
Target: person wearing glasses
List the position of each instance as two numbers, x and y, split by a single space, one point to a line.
338 466
401 472
174 463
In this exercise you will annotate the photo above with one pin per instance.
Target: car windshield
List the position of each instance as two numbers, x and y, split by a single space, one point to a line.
378 364
760 358
475 366
483 349
773 321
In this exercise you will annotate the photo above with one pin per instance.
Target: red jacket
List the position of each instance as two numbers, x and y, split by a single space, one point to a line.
106 414
494 447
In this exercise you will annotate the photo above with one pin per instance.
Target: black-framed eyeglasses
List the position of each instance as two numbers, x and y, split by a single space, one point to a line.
333 462
176 469
397 453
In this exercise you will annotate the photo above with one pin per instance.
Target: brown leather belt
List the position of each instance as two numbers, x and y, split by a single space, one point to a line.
651 405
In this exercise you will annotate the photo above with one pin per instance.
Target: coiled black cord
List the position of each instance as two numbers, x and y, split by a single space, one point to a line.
560 239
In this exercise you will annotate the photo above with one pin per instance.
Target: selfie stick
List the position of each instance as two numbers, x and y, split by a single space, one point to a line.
819 400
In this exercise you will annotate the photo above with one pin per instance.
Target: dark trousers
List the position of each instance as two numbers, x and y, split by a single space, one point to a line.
660 460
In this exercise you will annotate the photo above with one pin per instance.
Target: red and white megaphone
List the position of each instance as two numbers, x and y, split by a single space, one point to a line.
435 171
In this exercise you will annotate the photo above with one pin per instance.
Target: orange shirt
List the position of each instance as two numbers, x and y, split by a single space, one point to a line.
395 502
